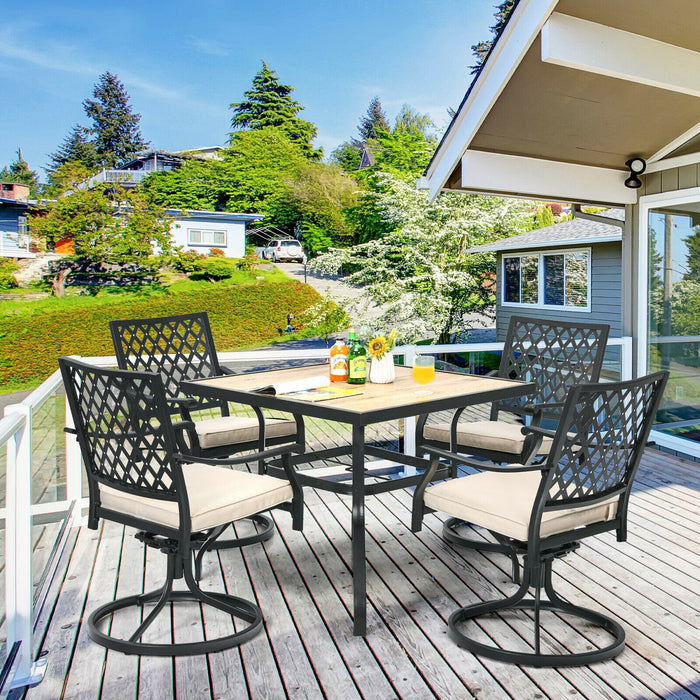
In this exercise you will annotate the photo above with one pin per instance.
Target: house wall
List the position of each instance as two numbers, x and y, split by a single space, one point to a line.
9 216
235 235
606 294
671 180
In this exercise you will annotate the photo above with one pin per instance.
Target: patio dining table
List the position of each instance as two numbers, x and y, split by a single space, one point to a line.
375 403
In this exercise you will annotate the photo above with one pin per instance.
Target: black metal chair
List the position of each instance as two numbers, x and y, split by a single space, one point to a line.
556 356
182 348
544 510
137 476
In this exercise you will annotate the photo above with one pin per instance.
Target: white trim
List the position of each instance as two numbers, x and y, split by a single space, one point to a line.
521 30
676 143
677 162
595 48
540 254
545 179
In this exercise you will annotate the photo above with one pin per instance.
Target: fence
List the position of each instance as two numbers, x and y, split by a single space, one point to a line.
44 487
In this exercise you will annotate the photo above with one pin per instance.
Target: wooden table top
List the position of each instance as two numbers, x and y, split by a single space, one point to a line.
376 402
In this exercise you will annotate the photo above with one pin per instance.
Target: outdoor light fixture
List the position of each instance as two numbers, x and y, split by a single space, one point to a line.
637 166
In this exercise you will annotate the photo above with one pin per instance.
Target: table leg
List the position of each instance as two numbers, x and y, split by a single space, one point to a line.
359 562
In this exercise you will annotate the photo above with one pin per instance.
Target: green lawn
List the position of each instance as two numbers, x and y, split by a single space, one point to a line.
245 311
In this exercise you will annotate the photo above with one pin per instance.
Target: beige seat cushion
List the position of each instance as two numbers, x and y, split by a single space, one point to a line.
485 435
233 430
502 502
217 495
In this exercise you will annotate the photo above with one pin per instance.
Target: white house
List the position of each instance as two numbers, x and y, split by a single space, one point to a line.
599 103
203 230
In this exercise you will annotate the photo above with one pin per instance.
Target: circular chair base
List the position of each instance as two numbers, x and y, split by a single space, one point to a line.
532 658
233 605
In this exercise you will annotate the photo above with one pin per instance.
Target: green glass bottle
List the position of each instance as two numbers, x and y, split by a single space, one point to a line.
357 360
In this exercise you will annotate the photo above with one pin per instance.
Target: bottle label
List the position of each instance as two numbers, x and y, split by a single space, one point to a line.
358 367
339 366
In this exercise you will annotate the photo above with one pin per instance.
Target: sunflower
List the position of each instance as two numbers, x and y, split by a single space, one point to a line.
377 346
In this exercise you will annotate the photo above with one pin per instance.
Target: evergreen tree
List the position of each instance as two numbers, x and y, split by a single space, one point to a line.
374 121
481 50
115 128
76 147
269 103
19 173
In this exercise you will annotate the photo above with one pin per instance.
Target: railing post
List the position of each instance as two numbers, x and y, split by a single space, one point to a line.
74 472
626 358
19 600
409 424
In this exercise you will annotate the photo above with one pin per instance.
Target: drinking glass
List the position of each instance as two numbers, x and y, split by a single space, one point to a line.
424 371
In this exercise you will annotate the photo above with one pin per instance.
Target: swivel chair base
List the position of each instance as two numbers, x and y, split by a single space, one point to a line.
536 605
230 604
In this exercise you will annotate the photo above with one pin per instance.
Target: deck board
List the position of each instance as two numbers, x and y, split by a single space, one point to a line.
302 582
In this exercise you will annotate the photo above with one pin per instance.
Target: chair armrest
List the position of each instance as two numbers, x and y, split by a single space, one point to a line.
242 459
477 464
536 430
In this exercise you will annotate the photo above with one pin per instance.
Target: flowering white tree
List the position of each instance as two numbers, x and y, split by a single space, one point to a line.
418 271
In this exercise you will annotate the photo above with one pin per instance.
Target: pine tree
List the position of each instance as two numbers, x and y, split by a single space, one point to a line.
117 137
481 50
19 173
77 148
373 122
268 103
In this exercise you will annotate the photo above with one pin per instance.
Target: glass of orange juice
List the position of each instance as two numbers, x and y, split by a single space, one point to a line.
424 371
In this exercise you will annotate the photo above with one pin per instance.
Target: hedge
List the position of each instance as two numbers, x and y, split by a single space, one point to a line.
241 317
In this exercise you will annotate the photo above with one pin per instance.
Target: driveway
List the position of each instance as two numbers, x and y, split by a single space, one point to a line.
332 286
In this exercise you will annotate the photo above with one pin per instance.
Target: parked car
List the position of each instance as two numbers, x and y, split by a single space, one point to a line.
279 250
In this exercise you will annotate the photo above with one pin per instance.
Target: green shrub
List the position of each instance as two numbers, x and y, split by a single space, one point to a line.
215 269
7 281
243 316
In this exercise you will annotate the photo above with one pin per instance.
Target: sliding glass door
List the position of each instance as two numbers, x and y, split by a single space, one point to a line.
672 314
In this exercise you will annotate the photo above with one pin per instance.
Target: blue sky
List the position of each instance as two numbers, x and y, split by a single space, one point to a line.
184 63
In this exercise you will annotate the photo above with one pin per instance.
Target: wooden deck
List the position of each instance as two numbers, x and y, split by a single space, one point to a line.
302 582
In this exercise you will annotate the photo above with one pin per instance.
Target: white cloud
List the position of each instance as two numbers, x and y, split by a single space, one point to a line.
60 57
211 47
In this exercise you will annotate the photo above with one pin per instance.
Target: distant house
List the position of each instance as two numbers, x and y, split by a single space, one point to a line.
570 272
131 173
15 241
203 230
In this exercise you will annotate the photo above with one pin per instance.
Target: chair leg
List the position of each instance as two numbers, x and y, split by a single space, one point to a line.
265 531
538 577
177 567
502 546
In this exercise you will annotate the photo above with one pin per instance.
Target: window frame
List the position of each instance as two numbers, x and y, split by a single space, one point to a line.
201 242
541 255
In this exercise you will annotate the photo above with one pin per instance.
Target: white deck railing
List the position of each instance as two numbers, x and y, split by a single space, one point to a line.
21 604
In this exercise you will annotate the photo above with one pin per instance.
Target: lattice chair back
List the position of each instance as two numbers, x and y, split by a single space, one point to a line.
555 355
177 347
599 443
124 429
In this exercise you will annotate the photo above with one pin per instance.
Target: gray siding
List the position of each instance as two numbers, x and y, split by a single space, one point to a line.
671 180
606 295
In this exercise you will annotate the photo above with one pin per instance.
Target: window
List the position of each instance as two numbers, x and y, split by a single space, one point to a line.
547 279
21 224
197 236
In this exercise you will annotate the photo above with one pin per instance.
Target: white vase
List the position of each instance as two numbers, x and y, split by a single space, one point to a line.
381 369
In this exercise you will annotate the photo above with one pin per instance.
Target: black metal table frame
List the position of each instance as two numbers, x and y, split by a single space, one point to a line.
358 449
